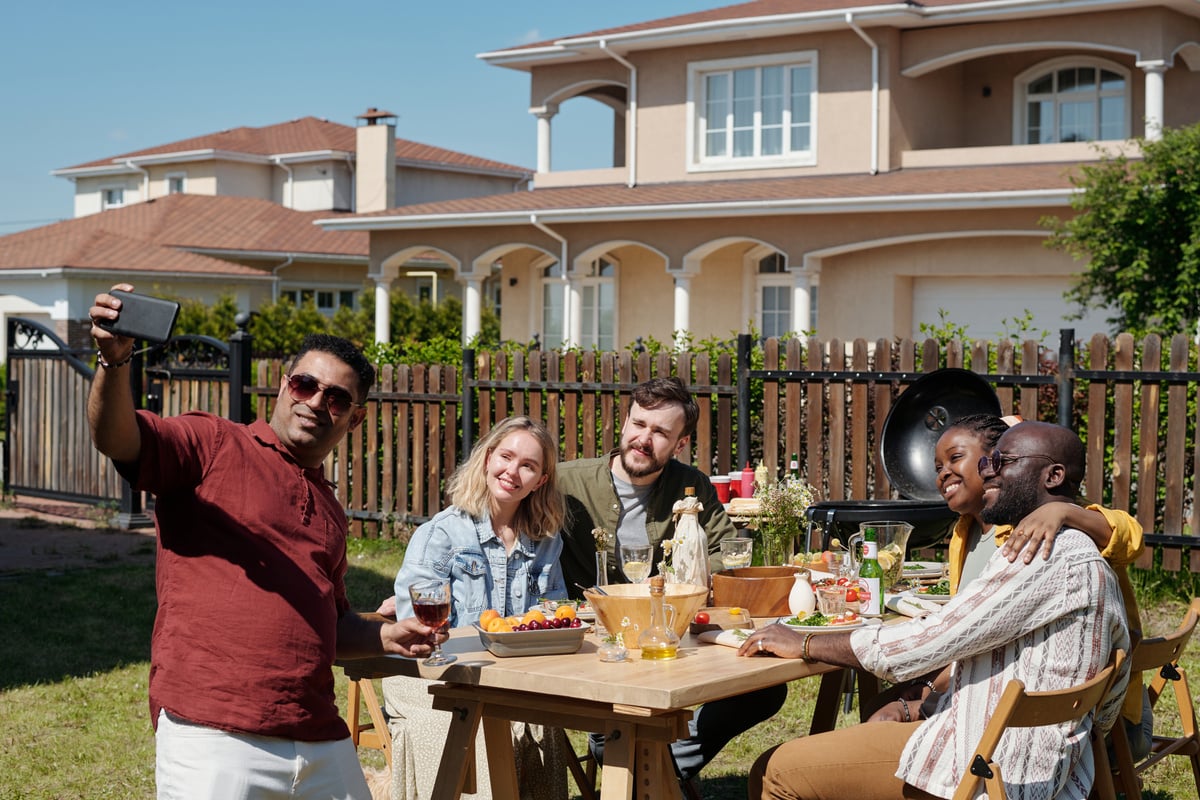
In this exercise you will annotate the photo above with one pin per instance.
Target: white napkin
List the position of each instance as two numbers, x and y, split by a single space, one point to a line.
910 605
730 638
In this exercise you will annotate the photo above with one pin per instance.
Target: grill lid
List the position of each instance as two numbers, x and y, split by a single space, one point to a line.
916 421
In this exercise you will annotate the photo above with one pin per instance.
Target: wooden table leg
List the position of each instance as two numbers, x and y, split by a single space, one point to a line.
616 781
502 762
459 749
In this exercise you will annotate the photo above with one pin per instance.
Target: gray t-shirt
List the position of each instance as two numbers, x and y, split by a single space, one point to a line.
980 546
632 527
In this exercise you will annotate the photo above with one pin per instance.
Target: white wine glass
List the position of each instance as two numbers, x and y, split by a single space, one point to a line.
431 605
736 552
635 561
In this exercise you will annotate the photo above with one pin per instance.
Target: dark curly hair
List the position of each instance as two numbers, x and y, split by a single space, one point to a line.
988 427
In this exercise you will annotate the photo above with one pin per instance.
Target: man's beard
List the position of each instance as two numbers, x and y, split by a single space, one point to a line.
635 471
1014 501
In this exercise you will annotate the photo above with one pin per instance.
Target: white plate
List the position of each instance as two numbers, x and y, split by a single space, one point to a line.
849 626
921 569
940 599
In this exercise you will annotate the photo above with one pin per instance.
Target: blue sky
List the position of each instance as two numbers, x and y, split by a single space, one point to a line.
84 80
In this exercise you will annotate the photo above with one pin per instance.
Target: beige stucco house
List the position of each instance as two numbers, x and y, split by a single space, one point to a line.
233 212
845 166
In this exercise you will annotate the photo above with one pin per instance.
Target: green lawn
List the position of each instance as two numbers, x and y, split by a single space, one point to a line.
75 660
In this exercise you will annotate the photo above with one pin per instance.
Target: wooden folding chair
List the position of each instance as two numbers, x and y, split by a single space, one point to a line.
374 734
1021 709
1160 655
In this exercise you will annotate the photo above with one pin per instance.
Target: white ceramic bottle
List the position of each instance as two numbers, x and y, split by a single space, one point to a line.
802 599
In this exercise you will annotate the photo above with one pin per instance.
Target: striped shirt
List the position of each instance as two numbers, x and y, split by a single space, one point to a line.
1052 624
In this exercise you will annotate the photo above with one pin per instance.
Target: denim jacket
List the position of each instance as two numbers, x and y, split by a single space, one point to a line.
482 576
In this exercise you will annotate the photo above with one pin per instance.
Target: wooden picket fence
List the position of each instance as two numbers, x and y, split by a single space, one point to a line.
825 400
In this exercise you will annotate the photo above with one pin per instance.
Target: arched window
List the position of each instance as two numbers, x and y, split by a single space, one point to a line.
1077 100
774 295
598 292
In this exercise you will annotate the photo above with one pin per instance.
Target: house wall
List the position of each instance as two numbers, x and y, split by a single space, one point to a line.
89 192
414 185
313 186
247 180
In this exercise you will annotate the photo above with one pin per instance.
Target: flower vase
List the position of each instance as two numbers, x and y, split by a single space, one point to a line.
601 567
778 547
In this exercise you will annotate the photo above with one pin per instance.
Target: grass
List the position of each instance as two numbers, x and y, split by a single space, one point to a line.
76 656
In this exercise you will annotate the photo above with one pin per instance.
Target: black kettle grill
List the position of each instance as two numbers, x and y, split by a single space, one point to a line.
906 447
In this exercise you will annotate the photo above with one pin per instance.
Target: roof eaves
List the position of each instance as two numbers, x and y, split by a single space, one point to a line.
949 201
518 174
120 164
227 252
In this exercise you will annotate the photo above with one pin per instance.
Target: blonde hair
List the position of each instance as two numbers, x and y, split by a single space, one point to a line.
540 515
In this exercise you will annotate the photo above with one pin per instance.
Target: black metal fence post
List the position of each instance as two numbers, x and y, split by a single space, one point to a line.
1066 378
743 399
239 370
468 400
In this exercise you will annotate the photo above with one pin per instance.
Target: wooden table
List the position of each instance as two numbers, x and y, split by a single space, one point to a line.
640 706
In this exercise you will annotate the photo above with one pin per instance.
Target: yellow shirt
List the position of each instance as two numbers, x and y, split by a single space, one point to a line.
1125 546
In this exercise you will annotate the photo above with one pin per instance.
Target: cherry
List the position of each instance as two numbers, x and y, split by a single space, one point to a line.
522 627
534 625
575 623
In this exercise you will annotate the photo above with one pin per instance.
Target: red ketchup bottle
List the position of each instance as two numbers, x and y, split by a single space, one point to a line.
747 487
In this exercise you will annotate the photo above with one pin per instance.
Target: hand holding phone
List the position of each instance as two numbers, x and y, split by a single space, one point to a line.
142 317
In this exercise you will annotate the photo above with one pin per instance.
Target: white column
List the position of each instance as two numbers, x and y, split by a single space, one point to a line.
1154 97
801 301
544 115
472 322
383 310
683 307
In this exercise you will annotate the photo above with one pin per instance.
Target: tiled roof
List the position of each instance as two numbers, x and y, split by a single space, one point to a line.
103 250
899 183
193 222
308 134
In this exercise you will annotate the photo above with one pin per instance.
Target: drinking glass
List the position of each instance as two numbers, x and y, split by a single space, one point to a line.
431 605
635 561
736 552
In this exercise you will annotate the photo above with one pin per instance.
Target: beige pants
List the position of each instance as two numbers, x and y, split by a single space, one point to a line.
419 731
858 762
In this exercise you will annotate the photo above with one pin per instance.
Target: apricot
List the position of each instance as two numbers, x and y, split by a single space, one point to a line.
498 624
487 616
564 612
533 615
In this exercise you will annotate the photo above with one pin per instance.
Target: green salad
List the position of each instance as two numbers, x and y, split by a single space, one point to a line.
941 588
815 619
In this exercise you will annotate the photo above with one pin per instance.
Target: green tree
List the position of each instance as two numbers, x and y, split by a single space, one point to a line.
198 319
1137 226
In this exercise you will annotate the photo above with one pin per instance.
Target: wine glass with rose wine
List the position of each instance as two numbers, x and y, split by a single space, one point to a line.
431 605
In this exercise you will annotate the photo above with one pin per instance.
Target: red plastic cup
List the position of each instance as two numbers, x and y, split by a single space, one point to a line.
721 484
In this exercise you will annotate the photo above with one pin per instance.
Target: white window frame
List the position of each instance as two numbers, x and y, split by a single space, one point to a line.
555 283
296 293
699 161
179 176
104 202
784 280
1021 96
589 336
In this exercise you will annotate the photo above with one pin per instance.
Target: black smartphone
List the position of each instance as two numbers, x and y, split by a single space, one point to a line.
142 317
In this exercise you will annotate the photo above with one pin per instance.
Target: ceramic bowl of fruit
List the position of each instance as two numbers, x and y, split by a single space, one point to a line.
534 634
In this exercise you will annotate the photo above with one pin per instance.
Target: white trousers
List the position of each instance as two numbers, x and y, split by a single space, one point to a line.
195 762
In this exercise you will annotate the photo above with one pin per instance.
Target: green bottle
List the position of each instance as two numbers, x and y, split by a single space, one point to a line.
870 576
794 468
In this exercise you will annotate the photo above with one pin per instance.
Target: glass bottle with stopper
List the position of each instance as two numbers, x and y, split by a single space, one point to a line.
659 642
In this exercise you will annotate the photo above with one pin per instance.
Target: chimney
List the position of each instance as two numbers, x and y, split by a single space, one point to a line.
375 161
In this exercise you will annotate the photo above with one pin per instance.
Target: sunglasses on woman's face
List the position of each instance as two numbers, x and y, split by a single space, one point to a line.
998 461
303 387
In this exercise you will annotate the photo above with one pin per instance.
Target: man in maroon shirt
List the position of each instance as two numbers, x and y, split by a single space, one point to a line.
250 571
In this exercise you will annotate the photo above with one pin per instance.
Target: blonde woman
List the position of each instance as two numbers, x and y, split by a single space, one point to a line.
497 543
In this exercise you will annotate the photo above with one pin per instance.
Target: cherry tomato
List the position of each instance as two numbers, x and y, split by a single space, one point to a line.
852 596
702 618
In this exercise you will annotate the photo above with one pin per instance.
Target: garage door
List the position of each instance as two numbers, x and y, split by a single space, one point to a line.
982 304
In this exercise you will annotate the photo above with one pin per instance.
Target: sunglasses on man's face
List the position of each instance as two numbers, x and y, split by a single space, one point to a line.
303 387
998 461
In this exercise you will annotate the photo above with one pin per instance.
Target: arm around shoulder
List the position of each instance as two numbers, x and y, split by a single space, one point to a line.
1125 537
